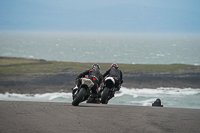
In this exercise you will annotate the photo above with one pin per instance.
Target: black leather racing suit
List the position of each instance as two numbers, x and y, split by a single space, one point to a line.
94 72
117 74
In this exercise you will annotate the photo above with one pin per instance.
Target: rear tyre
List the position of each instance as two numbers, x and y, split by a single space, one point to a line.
104 95
79 97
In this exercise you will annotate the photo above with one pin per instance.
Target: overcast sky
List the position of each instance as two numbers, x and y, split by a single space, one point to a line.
176 16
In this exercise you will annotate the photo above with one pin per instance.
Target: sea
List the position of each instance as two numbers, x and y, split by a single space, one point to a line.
109 48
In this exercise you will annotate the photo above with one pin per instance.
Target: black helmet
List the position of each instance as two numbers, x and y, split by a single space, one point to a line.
95 66
158 100
114 65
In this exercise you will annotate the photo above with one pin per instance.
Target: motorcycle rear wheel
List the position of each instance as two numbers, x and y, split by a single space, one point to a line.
79 97
104 96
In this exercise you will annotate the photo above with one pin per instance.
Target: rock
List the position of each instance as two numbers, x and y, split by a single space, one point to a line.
45 83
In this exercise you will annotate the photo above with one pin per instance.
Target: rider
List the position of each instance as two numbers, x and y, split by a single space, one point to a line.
116 73
93 74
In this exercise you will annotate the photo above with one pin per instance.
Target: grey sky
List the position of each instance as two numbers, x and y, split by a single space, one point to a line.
104 16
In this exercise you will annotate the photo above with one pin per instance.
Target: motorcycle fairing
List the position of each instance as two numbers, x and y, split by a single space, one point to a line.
110 78
87 82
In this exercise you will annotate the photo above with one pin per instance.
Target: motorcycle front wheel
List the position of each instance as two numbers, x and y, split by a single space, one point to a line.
79 97
104 95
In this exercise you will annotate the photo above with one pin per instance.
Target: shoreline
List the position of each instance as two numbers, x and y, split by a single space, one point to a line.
47 83
31 76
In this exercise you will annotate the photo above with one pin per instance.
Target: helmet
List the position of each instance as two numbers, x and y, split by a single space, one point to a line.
158 100
114 65
95 66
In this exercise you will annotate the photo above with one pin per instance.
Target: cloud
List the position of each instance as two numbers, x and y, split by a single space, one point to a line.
93 15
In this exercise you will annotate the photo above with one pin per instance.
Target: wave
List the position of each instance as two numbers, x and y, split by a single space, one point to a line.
160 91
47 97
170 97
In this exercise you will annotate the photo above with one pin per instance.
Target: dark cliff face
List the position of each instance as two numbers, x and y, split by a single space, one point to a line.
60 76
155 80
38 83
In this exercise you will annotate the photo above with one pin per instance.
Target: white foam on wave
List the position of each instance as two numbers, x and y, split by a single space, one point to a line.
146 102
134 92
171 97
37 97
159 91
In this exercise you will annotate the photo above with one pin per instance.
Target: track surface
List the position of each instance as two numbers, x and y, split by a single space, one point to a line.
48 117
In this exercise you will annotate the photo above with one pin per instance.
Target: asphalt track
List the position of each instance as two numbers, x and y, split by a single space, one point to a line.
52 117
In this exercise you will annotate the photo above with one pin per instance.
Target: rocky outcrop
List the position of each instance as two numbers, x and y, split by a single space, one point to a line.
44 83
36 83
161 79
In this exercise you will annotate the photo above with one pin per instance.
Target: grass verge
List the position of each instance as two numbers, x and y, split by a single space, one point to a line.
12 65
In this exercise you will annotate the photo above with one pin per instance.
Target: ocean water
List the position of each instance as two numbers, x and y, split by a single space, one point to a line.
170 97
109 48
104 48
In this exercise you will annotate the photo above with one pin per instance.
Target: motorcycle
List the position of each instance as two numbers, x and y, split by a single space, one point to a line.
108 90
83 93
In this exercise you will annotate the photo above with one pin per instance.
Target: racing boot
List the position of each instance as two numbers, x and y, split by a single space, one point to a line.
74 89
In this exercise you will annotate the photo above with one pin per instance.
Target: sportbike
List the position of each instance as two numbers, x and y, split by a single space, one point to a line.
84 91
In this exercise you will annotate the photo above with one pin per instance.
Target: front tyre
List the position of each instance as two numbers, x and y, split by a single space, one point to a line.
79 97
104 95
